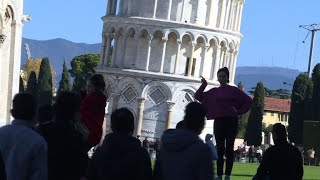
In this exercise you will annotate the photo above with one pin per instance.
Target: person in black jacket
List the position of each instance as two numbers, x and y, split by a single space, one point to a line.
183 155
121 156
282 161
3 175
67 157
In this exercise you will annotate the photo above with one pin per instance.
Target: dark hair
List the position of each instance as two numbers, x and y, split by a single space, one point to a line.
98 81
24 106
66 104
45 113
180 125
280 132
194 118
122 121
225 70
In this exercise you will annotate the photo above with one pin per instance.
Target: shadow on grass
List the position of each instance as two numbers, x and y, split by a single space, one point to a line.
243 175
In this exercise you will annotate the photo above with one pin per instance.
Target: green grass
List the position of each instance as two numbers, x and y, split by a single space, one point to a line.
245 171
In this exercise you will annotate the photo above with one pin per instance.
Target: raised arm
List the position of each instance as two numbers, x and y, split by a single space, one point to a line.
199 94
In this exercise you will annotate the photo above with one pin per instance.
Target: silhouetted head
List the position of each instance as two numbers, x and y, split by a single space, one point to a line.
95 84
223 76
24 107
45 113
279 133
66 106
195 116
122 121
180 125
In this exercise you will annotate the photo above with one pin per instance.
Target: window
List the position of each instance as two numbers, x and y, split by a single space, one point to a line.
193 66
272 114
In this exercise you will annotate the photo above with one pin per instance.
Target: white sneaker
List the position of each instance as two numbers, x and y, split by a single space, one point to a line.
226 177
218 178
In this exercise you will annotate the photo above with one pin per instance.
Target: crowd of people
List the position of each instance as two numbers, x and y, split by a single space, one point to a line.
57 148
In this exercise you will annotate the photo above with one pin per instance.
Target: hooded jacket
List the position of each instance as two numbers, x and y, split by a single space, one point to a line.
183 156
120 157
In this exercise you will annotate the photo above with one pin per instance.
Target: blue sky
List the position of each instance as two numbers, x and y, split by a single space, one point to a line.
272 36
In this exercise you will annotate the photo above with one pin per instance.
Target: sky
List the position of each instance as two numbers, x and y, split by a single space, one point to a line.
272 36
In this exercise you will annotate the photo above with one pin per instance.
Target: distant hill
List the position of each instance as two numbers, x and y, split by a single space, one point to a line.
271 77
57 50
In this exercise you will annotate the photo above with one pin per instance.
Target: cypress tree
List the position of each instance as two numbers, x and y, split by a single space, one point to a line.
21 86
64 84
253 134
297 109
45 83
316 93
32 84
243 119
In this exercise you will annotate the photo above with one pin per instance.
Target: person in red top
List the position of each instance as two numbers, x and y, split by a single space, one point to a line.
92 110
224 104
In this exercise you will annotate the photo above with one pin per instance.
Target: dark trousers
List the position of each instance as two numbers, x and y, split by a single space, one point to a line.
225 131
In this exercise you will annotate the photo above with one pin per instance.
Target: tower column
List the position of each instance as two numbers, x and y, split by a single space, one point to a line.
164 41
124 47
148 52
177 57
182 11
235 17
109 7
191 59
114 50
155 8
103 48
137 51
206 47
107 52
169 9
170 105
234 65
222 14
216 63
240 17
198 12
114 7
139 121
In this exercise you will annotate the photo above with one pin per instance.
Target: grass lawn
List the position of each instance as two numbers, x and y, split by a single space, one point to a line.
245 171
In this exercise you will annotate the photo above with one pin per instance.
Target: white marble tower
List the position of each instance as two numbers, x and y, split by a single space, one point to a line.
160 48
11 22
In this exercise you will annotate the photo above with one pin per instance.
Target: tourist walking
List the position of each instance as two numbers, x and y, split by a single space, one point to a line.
93 109
251 154
120 157
183 155
311 152
23 150
224 104
67 155
282 161
259 154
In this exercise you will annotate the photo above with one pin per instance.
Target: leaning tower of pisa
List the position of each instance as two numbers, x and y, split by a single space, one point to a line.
154 52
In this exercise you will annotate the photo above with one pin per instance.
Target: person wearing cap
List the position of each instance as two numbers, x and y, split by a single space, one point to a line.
224 104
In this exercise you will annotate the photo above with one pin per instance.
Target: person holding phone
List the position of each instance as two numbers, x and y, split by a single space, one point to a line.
224 104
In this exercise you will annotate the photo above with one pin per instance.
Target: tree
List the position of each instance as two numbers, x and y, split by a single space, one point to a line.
45 83
32 84
254 127
64 84
278 93
21 86
82 67
34 65
297 109
243 119
316 93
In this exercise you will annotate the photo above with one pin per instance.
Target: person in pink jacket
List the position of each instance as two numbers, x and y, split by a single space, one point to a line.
224 104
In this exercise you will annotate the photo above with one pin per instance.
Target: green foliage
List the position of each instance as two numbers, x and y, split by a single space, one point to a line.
267 129
242 125
45 83
254 127
301 86
278 93
64 84
21 87
316 93
32 84
82 67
